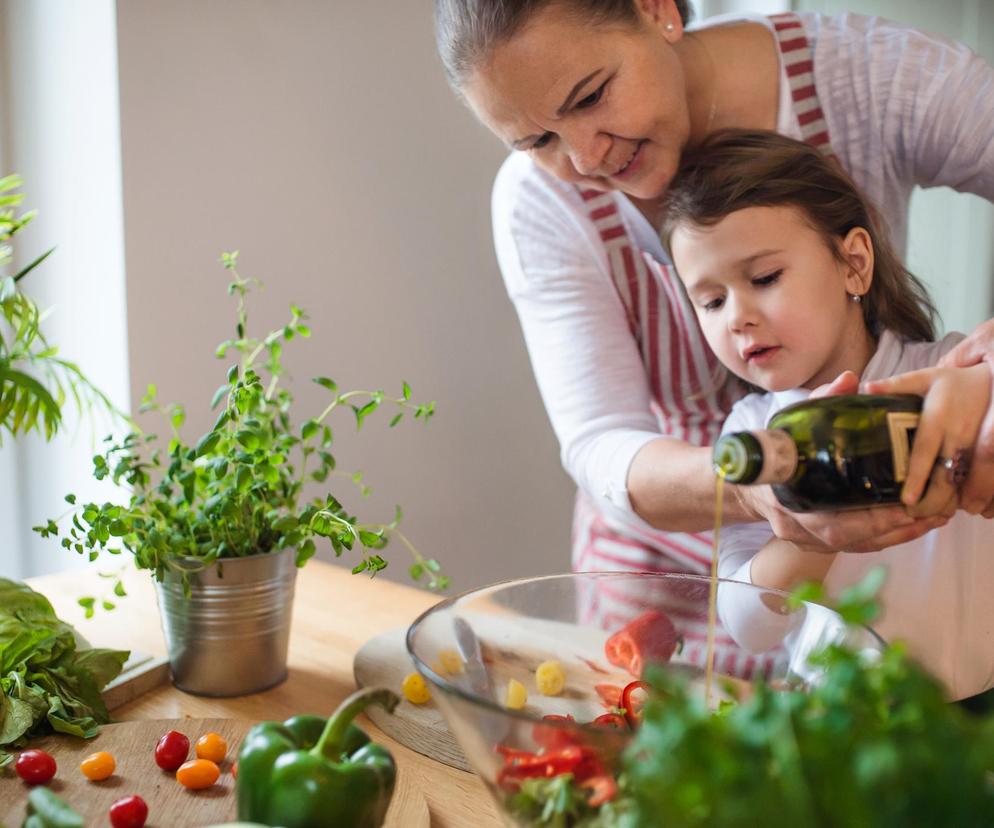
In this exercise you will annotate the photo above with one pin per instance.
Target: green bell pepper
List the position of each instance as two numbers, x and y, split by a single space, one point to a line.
308 772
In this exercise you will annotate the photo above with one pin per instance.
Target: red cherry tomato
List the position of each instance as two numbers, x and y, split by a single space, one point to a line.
35 766
129 812
172 750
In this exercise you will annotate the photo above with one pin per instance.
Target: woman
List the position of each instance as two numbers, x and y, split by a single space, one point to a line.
600 98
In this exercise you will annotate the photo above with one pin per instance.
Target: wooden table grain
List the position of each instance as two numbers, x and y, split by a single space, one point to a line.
335 612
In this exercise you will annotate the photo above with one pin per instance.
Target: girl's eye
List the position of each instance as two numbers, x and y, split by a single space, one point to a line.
769 279
541 141
714 304
592 98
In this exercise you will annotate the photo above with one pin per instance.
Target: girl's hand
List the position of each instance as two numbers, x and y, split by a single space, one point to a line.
957 406
863 530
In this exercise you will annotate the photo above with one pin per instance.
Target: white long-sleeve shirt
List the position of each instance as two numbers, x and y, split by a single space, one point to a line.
903 108
937 596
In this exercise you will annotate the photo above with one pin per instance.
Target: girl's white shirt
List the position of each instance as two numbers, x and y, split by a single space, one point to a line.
937 596
903 108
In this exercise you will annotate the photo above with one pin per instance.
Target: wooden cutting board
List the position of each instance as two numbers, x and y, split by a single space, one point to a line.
383 661
170 805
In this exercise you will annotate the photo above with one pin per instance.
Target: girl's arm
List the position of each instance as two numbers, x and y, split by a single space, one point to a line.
784 565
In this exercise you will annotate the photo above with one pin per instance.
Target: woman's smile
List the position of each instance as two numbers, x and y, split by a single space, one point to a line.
630 167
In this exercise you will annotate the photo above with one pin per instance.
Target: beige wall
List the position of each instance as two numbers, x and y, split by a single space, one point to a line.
320 139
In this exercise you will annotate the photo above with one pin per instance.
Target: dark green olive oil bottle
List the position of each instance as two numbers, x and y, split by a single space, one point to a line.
826 454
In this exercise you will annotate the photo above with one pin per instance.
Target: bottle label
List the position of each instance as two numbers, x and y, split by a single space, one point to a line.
779 455
901 425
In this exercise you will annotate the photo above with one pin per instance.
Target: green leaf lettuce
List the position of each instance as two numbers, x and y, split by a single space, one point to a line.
49 681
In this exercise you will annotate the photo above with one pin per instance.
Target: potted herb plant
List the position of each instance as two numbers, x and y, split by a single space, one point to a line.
222 524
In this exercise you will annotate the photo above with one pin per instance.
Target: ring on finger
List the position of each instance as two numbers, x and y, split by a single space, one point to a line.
957 466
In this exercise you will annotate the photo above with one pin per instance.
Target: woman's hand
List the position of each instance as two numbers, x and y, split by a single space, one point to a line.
863 530
957 409
977 494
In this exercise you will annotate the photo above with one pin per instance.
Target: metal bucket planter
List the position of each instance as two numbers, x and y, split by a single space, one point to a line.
229 637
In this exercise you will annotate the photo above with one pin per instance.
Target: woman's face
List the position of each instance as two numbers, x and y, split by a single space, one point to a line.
603 107
773 300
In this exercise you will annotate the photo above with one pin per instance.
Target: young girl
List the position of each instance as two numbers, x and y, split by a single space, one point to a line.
794 283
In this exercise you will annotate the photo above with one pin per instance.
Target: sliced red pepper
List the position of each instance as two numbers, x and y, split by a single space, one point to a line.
614 721
610 695
632 704
602 789
555 738
649 637
520 764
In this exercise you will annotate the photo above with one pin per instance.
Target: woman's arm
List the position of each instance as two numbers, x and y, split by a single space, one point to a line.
671 486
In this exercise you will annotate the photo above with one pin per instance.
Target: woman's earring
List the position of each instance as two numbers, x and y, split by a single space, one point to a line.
668 27
856 298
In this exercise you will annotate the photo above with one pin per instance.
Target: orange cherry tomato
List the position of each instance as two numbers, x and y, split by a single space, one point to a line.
98 766
197 774
234 770
212 746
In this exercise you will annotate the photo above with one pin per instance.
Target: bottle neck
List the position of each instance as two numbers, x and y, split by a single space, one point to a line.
756 457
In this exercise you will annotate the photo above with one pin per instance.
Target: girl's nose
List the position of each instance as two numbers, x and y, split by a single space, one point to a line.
740 314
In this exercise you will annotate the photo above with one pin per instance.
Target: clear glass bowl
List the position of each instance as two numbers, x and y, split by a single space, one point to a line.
505 631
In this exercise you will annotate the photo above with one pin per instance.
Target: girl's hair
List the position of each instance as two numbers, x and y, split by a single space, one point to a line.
734 169
466 31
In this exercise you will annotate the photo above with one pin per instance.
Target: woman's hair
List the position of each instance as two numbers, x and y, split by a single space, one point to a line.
734 169
466 31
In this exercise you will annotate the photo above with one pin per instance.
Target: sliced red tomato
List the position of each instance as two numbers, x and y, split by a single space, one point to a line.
632 699
602 789
610 695
649 637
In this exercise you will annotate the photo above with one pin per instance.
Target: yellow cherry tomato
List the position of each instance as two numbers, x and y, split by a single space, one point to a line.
197 774
212 746
98 766
517 696
414 689
451 662
550 678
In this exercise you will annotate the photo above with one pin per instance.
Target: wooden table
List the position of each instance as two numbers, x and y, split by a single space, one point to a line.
335 612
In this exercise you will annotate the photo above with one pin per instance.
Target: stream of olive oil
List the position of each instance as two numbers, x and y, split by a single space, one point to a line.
713 594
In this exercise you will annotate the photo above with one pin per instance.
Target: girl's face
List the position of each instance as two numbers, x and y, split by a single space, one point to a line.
603 107
773 301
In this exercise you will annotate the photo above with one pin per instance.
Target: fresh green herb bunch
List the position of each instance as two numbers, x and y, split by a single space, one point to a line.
238 490
34 380
874 743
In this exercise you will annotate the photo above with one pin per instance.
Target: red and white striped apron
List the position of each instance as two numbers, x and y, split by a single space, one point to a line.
681 368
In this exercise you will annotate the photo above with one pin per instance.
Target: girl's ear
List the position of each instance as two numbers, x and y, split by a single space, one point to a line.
664 15
857 248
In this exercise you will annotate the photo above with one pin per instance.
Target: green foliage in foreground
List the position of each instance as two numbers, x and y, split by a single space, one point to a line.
238 490
35 381
874 743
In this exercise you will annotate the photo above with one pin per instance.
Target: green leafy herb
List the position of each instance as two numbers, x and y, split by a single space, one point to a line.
873 743
47 683
238 489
